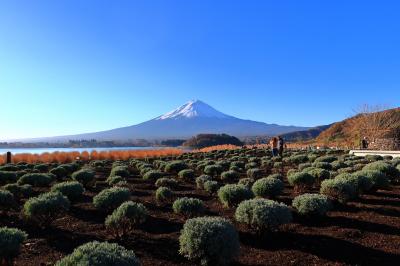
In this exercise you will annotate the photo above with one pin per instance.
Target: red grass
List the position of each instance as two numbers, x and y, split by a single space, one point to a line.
218 147
65 157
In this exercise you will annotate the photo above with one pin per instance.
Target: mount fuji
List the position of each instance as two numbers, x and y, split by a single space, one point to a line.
194 117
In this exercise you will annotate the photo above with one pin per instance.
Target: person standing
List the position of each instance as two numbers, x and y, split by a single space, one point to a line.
364 143
281 144
274 146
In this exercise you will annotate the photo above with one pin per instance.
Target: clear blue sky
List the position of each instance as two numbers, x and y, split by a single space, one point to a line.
80 66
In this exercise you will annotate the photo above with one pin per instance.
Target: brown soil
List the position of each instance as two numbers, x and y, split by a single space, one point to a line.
366 232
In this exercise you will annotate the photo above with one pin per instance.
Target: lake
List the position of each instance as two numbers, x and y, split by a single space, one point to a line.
50 150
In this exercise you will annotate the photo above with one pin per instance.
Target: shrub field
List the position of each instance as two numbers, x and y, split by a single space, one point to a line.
226 206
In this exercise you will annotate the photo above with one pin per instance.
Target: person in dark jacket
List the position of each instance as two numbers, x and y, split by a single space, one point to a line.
364 143
281 144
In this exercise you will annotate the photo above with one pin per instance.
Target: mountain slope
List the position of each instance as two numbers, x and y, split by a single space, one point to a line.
304 135
192 118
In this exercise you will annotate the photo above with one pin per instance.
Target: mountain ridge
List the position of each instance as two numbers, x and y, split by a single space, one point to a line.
193 118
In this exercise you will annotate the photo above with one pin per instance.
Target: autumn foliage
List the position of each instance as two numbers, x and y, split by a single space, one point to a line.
218 147
65 157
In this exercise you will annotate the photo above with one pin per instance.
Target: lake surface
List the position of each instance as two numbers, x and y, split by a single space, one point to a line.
50 150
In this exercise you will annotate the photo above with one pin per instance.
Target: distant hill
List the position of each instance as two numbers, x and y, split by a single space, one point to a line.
305 135
190 119
372 125
207 140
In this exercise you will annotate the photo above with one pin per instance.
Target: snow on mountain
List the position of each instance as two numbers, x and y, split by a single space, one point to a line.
194 108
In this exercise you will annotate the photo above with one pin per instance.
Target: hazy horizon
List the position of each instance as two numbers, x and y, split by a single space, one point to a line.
71 67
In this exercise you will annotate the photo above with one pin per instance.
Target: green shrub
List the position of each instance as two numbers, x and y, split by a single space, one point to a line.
326 159
36 179
113 180
297 159
7 177
360 182
187 174
120 170
100 254
340 189
60 172
11 240
18 191
267 187
378 179
210 240
211 186
46 207
323 165
312 204
229 175
301 180
9 167
213 170
263 215
175 167
201 180
125 218
166 182
153 175
232 194
302 166
111 198
188 206
73 190
164 195
385 168
7 201
84 176
41 167
254 173
248 182
318 173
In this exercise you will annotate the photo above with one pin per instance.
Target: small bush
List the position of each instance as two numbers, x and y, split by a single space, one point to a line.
125 218
267 187
18 191
175 167
378 179
7 177
312 204
84 176
248 182
385 168
113 180
188 206
339 190
46 207
36 179
166 182
7 201
318 173
232 194
213 170
254 173
60 172
201 180
100 254
229 175
263 215
153 175
10 243
323 165
164 195
73 190
111 198
297 159
210 240
120 170
211 186
301 180
187 174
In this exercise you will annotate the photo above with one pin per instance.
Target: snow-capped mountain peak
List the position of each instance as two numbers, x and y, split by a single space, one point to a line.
191 109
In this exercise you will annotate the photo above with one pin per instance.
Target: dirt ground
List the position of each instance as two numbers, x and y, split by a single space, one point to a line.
366 232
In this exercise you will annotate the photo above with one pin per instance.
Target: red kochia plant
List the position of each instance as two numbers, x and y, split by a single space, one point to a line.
67 157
